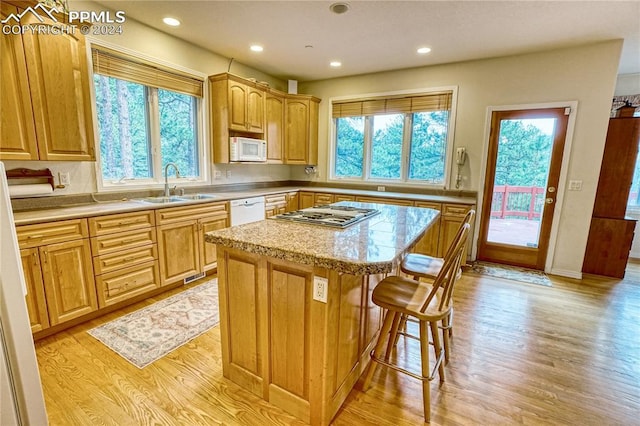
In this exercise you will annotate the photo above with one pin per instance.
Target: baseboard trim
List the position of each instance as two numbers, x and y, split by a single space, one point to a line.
566 273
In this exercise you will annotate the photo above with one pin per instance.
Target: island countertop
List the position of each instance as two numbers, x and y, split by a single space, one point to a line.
368 247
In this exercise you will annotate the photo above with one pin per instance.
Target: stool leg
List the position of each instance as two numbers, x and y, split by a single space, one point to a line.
426 385
435 332
386 326
402 326
446 327
393 337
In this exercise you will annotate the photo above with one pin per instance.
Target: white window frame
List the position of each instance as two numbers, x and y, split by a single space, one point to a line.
404 168
154 126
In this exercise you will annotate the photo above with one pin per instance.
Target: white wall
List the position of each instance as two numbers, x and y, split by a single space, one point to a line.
585 74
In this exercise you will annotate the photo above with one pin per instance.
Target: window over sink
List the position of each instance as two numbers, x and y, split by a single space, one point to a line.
395 138
148 115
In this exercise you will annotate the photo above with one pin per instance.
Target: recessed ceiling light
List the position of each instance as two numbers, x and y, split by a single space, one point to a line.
335 64
256 48
424 50
172 22
339 8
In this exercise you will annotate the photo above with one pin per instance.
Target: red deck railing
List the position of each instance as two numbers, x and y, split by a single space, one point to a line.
518 201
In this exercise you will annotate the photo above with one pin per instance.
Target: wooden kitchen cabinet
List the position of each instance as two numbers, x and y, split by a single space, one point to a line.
323 198
429 243
64 256
343 197
58 90
125 255
275 204
393 201
182 249
35 299
246 107
450 220
301 130
292 201
306 199
274 132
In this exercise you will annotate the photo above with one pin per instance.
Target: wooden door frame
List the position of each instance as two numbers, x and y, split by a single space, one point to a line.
562 182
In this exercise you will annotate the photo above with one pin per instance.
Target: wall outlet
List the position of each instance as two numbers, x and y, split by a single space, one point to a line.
228 173
65 179
381 188
320 289
217 174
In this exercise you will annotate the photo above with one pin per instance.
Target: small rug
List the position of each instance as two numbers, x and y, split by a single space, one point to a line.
514 273
148 334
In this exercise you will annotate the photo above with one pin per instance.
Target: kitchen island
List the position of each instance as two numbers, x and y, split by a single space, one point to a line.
296 318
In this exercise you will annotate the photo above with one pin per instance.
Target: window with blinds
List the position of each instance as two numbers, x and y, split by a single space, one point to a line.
148 116
393 138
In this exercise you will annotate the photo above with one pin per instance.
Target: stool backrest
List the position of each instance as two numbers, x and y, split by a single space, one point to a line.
449 273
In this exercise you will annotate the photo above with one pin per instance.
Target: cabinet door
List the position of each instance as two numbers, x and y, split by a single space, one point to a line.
68 280
428 244
292 202
237 106
255 110
17 129
451 219
36 301
275 128
297 132
306 199
209 260
57 66
179 251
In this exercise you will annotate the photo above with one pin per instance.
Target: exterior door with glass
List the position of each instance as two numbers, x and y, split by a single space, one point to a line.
523 170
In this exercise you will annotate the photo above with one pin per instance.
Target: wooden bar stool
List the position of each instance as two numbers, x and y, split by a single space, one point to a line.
427 267
429 305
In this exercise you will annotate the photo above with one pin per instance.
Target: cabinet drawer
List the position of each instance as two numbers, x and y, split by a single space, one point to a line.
121 241
455 209
339 197
54 232
275 199
121 222
393 201
429 205
124 258
323 199
120 285
177 214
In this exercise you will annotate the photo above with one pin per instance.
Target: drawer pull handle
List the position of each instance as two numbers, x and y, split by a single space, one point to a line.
33 237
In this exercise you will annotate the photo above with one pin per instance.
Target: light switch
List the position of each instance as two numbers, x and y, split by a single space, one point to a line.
575 185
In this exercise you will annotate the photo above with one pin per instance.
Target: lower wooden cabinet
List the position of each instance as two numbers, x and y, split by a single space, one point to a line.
450 221
608 246
305 200
123 284
183 250
292 201
275 204
429 244
58 275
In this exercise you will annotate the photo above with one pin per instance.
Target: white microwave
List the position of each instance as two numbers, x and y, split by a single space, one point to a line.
247 149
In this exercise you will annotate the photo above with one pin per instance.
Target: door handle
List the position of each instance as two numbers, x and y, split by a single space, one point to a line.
549 200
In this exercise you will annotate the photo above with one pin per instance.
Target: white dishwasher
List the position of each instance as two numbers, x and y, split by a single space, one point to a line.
247 210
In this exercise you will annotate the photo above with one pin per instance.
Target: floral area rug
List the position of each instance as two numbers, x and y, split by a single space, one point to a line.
148 334
508 272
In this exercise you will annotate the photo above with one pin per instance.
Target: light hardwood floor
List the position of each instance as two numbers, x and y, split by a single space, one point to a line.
522 354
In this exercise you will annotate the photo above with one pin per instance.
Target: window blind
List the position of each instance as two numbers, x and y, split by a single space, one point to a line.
120 65
440 101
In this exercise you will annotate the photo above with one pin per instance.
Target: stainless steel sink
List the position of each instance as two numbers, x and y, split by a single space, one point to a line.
161 200
198 196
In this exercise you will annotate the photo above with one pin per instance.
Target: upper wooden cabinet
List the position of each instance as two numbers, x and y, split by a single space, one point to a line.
275 127
301 131
46 100
240 107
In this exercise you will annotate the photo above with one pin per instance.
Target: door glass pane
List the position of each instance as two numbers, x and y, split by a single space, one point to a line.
178 131
349 146
522 170
386 146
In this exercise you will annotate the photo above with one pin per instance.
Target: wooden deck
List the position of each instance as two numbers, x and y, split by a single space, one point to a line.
522 354
521 232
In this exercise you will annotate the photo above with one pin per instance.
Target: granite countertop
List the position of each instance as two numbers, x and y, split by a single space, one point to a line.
63 212
368 247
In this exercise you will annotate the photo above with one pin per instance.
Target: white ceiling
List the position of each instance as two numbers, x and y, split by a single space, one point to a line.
384 35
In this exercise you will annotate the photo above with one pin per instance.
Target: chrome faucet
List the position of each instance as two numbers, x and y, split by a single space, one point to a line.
167 193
